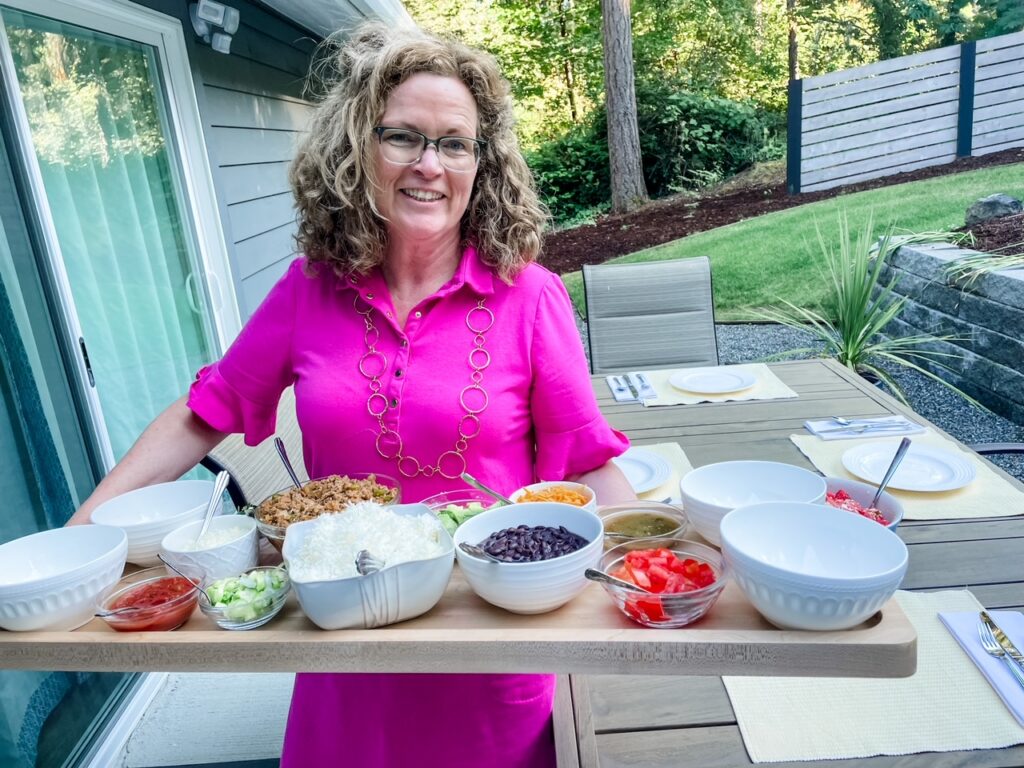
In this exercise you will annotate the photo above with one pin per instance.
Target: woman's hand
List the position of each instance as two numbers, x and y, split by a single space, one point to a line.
609 484
169 447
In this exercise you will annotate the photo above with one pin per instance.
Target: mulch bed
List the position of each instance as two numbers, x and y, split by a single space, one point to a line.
672 218
1003 236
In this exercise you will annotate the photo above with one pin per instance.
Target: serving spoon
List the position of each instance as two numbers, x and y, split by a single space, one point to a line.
218 490
481 487
896 459
600 576
473 549
279 444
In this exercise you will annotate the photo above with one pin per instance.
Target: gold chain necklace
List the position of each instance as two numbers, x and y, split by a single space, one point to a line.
373 363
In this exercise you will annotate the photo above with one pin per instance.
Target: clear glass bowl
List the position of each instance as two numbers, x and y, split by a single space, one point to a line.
666 610
642 520
161 607
275 533
222 616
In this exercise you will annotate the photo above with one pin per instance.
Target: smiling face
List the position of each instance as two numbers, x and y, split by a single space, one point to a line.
424 202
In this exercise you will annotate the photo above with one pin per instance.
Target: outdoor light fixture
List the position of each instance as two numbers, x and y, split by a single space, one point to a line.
207 16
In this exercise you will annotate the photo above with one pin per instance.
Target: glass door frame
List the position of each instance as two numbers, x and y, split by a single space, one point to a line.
125 19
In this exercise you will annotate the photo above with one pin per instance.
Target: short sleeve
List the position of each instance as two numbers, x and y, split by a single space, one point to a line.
572 435
240 392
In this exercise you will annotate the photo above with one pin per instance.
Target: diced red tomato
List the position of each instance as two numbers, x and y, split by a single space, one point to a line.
842 500
661 571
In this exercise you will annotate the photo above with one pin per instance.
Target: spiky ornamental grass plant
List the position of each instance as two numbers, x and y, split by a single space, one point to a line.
859 307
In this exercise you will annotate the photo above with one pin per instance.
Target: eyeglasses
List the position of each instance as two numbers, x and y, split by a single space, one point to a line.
404 146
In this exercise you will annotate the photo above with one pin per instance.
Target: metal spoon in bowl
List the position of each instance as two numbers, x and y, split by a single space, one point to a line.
896 459
473 549
601 576
367 563
218 490
186 578
279 444
481 487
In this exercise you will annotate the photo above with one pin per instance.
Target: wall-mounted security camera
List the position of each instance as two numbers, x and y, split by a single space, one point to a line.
207 16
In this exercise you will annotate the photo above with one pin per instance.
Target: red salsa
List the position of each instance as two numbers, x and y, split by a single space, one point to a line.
842 500
159 605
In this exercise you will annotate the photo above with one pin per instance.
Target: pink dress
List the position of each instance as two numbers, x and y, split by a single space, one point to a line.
541 422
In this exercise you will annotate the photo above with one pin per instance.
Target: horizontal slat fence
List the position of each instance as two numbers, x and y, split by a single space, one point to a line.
906 113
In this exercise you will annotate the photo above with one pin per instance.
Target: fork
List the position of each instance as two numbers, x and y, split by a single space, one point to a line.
992 648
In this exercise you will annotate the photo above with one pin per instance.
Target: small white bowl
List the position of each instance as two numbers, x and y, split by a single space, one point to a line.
231 558
54 579
710 492
812 566
533 587
862 493
392 594
585 490
148 514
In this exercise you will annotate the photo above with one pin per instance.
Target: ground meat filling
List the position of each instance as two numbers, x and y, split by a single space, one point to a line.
318 497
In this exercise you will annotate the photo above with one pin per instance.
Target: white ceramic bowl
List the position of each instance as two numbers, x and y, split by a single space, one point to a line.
393 594
228 559
580 488
710 492
53 580
812 566
862 493
148 514
534 587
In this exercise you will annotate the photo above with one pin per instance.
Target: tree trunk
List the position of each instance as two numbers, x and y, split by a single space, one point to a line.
627 177
794 60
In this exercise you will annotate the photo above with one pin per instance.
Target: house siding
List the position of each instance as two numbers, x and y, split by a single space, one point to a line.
254 113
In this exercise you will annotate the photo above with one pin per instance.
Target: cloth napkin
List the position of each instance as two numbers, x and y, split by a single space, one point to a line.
767 387
963 625
945 706
988 495
827 429
623 394
676 458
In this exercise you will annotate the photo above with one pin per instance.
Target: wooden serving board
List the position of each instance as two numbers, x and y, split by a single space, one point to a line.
465 634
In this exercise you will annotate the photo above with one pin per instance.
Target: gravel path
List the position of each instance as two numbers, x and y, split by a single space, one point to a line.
746 343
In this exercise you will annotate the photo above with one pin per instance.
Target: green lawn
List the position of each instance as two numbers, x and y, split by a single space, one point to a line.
757 261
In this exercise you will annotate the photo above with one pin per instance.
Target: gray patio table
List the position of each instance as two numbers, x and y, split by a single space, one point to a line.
618 720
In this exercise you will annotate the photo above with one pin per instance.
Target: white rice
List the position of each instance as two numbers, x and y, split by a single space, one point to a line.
329 550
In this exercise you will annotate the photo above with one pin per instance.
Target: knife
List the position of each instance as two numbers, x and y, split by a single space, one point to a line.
629 383
862 427
1004 642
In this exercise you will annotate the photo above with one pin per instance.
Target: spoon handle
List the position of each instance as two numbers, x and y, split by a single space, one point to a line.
481 487
896 459
219 484
595 575
279 444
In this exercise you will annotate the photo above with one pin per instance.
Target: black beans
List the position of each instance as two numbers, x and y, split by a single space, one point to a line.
525 544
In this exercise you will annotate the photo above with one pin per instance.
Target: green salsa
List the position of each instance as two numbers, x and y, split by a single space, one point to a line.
641 525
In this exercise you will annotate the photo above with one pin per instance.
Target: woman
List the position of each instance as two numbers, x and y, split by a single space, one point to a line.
422 342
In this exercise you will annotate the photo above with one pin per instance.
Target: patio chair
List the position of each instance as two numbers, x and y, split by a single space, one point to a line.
655 314
257 471
989 449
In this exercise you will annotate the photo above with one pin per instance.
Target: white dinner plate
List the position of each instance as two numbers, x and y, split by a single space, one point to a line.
712 381
924 468
645 470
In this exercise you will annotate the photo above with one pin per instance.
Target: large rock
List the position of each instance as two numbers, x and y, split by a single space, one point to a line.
993 207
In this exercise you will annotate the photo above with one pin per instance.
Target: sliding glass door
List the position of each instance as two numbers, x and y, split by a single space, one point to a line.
123 253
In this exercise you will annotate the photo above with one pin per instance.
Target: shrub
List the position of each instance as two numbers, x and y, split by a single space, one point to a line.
687 141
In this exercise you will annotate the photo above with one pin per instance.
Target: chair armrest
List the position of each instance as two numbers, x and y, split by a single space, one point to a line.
989 448
234 491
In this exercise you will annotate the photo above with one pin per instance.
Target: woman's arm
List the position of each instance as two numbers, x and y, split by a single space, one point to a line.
608 483
170 446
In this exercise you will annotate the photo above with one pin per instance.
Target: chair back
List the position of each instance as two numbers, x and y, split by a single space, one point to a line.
257 471
655 314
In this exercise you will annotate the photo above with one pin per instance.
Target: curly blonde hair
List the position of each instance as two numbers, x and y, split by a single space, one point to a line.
332 176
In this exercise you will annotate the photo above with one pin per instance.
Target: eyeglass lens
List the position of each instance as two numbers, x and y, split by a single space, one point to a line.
405 147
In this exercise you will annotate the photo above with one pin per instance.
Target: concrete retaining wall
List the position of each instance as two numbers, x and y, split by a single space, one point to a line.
987 316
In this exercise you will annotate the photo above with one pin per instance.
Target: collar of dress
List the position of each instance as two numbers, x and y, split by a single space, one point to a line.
471 272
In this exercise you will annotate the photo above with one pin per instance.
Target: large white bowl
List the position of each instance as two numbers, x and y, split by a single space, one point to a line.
229 559
710 492
534 587
393 594
812 566
53 580
148 514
